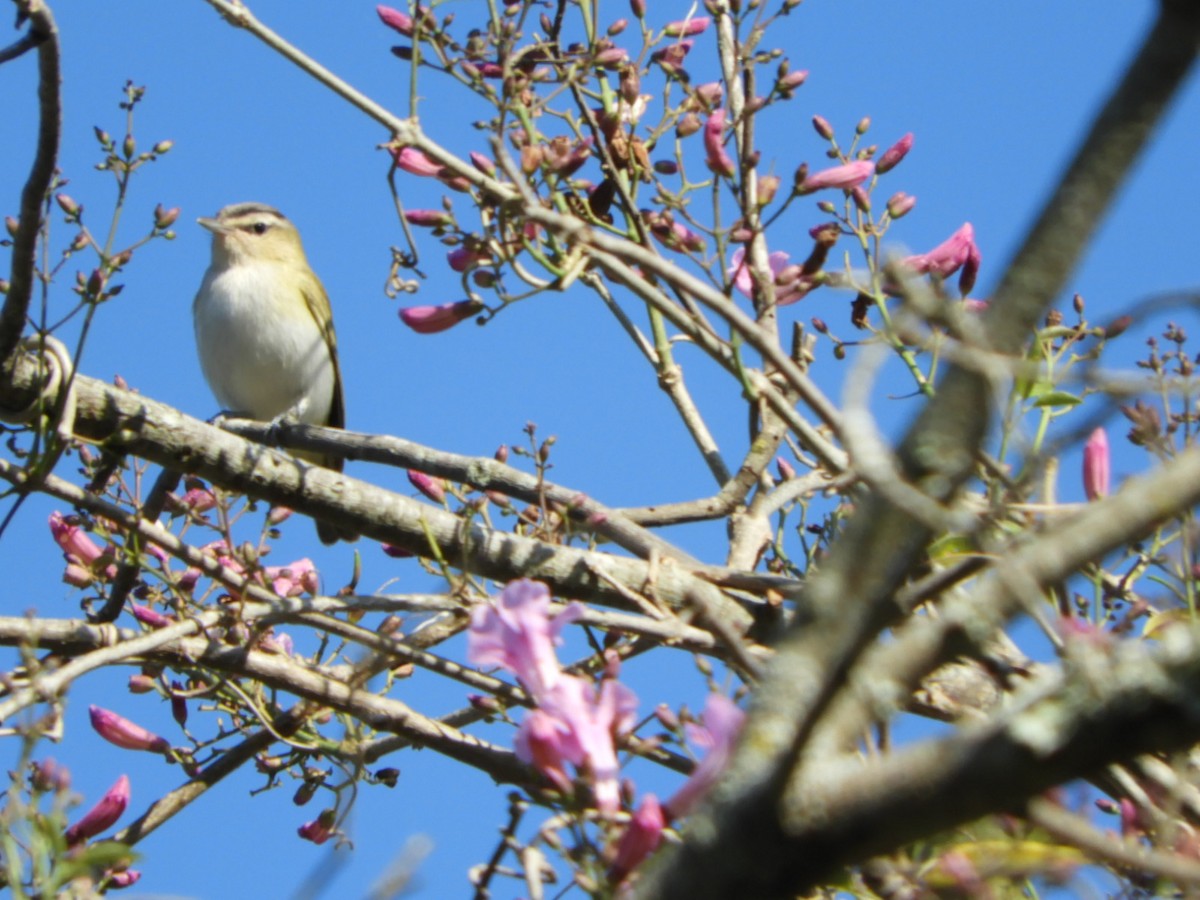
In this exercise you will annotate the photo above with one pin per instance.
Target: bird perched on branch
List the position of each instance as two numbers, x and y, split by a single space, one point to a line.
264 329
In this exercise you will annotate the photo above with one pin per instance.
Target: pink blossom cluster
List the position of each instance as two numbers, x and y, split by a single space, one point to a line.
574 721
577 722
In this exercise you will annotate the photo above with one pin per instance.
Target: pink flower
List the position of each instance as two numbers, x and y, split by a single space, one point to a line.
892 156
120 731
846 177
103 815
1096 465
787 290
516 632
413 161
958 251
73 540
294 579
320 829
432 319
722 724
687 27
590 721
433 488
641 838
718 160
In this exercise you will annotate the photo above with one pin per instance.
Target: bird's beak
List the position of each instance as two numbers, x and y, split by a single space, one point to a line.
213 225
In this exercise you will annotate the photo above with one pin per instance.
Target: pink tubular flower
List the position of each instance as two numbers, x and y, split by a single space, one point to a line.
320 829
516 632
590 721
641 838
73 540
413 161
1096 465
432 319
103 815
120 731
892 156
846 177
954 253
687 27
718 160
722 724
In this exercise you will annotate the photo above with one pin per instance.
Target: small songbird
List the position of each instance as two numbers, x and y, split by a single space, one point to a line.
264 328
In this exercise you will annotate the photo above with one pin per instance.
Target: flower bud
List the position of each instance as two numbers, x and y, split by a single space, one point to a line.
103 815
687 27
140 684
428 218
900 204
1096 465
864 124
768 186
786 470
792 80
718 160
432 319
165 218
68 205
822 127
163 146
688 125
433 488
1118 326
892 156
120 731
129 147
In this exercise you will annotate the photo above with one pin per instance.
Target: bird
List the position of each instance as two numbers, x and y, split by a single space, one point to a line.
264 329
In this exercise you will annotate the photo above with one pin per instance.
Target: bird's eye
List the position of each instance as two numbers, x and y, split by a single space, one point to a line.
259 227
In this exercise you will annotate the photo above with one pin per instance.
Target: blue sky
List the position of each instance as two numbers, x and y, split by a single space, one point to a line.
996 94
